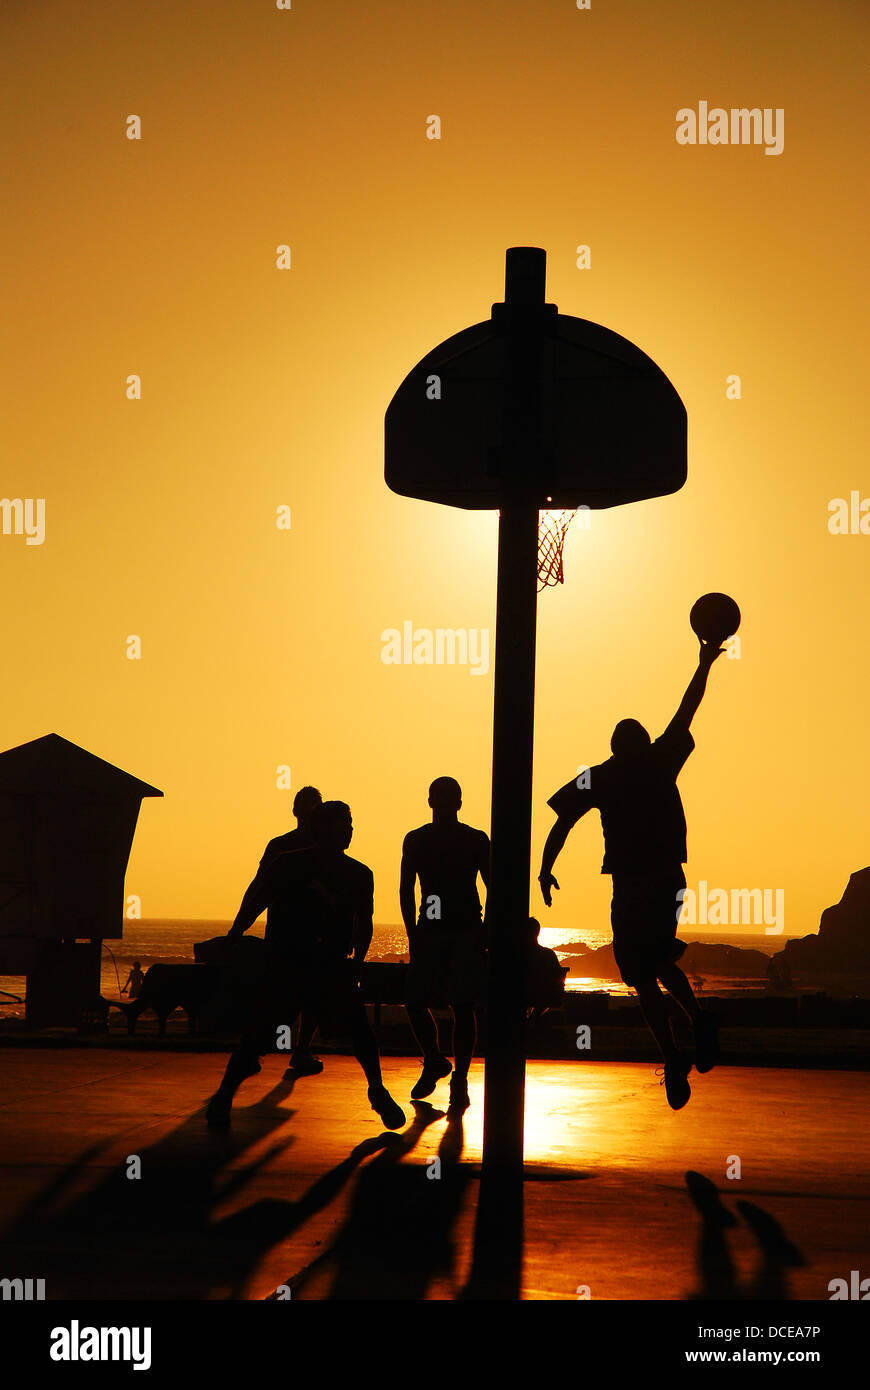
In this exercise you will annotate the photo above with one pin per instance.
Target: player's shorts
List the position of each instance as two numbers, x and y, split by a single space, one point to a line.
328 991
448 966
331 994
644 914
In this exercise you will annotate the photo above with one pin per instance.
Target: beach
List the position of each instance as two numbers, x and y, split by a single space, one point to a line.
170 941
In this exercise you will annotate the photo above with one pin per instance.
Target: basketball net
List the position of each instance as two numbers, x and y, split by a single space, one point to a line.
552 529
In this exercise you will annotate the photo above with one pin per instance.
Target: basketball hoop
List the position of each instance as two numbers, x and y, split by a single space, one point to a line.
535 411
552 529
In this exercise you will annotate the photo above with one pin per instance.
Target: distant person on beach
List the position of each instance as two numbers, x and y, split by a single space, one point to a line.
779 980
545 976
135 981
305 804
645 850
320 905
446 937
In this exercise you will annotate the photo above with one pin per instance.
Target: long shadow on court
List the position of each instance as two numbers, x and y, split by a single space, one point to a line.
398 1234
154 1236
715 1263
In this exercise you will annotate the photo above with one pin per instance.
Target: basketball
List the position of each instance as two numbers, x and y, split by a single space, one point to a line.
714 617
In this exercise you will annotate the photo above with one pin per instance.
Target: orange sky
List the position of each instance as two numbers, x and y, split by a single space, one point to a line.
263 387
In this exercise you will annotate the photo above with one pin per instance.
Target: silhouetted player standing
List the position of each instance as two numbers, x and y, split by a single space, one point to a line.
446 938
320 913
645 850
305 804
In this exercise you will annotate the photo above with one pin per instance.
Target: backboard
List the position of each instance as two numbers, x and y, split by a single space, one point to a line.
601 423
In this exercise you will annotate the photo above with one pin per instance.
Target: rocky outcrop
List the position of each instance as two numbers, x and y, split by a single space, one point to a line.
842 943
699 958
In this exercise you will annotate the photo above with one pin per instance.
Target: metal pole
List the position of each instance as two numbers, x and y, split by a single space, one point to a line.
499 1233
508 896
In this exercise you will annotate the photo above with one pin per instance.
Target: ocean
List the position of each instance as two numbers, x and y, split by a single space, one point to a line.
171 942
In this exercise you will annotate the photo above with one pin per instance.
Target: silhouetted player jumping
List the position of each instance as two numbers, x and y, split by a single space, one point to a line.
645 850
446 939
320 912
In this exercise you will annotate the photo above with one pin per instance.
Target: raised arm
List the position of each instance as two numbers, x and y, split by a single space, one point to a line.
688 706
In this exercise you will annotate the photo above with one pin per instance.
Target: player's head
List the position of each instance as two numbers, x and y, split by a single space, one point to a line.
629 739
305 803
332 825
533 927
137 965
445 794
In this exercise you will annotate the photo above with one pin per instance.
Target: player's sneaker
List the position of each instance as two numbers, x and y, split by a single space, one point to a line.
304 1063
459 1101
676 1081
217 1112
383 1104
433 1070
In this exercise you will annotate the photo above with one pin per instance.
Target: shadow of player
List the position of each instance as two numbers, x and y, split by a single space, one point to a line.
397 1236
153 1236
715 1264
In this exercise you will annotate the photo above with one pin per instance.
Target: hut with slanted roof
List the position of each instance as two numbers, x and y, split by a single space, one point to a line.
67 820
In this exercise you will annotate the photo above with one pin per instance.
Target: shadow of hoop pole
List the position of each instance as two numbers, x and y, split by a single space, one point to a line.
529 410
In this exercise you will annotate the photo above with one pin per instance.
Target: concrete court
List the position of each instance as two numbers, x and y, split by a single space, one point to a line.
306 1191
